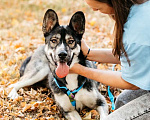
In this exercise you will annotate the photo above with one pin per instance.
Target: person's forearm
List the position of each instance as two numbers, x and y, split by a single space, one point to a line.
110 78
103 56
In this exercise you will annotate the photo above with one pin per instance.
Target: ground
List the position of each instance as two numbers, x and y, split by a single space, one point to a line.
21 33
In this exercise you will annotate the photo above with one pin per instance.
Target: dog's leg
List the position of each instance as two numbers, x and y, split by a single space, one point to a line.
27 80
69 111
102 111
93 100
79 106
102 106
73 115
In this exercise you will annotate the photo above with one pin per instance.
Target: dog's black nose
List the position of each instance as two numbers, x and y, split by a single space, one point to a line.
62 55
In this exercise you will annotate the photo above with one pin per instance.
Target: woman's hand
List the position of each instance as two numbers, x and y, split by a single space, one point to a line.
84 47
74 68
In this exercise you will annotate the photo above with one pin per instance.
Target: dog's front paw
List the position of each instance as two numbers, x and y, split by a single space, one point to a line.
13 94
11 86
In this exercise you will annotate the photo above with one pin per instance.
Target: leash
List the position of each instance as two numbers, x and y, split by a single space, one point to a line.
70 93
111 97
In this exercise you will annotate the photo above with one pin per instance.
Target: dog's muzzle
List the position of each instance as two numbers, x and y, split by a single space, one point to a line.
62 69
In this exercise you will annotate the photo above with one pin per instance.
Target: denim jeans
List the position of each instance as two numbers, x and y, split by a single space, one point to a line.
132 105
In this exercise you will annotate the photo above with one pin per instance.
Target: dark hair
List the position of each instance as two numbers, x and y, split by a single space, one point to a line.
121 9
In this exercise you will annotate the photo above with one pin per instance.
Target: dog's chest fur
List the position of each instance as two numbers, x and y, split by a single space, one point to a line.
72 82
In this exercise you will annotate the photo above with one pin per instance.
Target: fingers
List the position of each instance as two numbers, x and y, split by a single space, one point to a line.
74 68
84 47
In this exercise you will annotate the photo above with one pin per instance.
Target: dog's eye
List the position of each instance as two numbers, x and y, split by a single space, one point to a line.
70 41
53 40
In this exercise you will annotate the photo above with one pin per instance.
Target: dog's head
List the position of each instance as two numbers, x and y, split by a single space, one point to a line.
62 43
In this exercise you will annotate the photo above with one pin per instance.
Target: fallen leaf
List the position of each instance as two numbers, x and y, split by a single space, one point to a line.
27 107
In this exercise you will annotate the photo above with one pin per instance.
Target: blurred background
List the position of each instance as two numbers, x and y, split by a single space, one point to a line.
21 33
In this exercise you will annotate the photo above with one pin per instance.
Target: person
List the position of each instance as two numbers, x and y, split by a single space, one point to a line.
131 49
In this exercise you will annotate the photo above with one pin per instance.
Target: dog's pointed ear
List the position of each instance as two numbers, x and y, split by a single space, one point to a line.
50 21
77 23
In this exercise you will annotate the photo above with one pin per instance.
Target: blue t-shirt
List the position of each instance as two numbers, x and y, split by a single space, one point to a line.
136 40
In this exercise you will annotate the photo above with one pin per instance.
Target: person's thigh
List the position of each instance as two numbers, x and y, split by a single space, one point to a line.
137 109
127 96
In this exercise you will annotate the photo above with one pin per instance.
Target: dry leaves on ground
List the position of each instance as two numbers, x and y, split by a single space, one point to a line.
21 34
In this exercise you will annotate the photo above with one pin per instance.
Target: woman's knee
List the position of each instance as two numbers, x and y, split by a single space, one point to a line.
127 96
120 101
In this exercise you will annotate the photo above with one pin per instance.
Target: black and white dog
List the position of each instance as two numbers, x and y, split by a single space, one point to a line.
52 61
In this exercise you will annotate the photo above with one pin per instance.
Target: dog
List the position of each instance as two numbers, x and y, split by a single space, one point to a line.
50 64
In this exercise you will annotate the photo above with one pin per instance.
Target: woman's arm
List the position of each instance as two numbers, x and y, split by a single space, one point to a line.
103 56
110 78
99 55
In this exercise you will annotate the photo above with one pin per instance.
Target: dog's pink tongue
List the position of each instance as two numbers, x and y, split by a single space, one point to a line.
62 70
